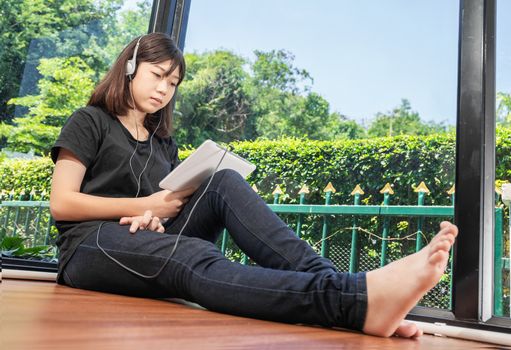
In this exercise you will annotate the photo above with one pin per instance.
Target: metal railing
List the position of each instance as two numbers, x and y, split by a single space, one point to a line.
327 222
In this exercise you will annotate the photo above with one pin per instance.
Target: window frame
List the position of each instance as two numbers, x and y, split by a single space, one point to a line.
475 161
473 268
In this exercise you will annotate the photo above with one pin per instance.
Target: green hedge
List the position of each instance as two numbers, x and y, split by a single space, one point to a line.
403 161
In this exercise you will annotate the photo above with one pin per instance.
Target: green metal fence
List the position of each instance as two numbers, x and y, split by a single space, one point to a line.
355 237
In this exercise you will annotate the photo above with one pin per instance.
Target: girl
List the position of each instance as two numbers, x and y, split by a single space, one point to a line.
119 233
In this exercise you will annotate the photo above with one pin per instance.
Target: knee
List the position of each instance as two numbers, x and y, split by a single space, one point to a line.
229 174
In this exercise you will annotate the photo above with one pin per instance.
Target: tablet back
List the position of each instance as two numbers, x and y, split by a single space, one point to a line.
201 164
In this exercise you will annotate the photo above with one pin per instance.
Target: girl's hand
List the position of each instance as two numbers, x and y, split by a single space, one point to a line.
145 222
168 204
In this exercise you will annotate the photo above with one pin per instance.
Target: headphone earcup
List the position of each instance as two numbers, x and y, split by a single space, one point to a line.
130 67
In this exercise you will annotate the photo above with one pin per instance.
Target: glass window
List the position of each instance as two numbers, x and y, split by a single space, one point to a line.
352 93
52 55
503 166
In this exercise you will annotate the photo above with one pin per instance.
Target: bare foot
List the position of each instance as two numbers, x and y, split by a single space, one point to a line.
408 330
395 289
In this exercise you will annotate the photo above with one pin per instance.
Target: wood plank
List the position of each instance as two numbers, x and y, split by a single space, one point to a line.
43 315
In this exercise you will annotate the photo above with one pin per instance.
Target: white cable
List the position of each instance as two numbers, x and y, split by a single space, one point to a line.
147 161
178 236
139 178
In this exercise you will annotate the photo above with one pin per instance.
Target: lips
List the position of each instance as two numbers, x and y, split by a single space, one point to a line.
155 99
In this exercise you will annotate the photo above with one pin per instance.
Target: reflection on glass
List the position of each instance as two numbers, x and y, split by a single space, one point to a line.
51 58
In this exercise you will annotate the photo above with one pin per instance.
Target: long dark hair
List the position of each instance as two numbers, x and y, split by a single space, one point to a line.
112 93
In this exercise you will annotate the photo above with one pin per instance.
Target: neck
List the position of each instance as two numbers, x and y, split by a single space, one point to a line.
135 115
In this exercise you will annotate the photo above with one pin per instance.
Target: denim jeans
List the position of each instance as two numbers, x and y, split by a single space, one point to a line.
291 283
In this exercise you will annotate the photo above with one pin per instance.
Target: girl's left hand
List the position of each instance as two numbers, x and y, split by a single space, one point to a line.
145 222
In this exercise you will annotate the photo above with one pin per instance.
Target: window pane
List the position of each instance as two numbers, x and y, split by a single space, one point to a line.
367 92
52 55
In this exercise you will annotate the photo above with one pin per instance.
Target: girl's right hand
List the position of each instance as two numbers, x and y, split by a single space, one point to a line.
167 204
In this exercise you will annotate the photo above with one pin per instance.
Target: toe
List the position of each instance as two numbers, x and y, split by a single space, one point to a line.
408 330
439 257
445 224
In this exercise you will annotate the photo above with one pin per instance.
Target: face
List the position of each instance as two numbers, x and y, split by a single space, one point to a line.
153 87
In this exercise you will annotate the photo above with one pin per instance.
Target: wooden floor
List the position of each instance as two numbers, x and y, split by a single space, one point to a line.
44 315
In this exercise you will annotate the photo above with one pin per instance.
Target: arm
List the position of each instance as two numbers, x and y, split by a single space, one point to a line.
68 203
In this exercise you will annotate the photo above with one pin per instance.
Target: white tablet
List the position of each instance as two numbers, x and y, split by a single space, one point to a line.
201 164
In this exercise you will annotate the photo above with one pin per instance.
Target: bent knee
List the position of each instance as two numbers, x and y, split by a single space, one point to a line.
229 174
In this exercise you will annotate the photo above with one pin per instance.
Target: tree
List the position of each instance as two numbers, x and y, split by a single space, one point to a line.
66 86
275 70
504 108
44 27
80 46
285 106
212 101
274 90
227 97
402 121
348 128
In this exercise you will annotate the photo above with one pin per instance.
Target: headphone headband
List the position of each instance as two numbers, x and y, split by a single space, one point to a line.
131 65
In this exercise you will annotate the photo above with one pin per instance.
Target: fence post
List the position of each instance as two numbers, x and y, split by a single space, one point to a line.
386 191
304 190
422 190
354 253
17 214
329 189
224 241
8 212
28 214
276 194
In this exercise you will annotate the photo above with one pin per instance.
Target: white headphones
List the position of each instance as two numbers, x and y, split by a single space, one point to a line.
131 65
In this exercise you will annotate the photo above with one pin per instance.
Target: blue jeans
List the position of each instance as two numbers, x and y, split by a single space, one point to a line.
292 283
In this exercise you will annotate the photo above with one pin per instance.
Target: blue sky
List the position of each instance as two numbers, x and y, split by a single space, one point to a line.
364 55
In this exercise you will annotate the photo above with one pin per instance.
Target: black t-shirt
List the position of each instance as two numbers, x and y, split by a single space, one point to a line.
100 141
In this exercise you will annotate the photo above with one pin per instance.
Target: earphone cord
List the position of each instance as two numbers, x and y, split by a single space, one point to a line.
147 161
138 180
177 238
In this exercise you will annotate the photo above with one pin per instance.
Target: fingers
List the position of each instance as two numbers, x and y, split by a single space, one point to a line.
125 220
134 226
141 223
133 221
156 225
146 220
185 193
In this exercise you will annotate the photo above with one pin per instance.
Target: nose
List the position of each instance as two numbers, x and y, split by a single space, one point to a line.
163 86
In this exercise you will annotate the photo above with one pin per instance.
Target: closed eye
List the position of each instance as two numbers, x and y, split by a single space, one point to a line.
157 75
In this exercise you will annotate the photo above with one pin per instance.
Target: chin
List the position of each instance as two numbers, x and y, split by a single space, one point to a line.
152 110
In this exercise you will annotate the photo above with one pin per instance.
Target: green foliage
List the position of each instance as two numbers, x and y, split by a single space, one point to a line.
15 247
49 28
226 97
403 161
402 121
23 176
275 70
66 85
94 31
212 101
504 108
